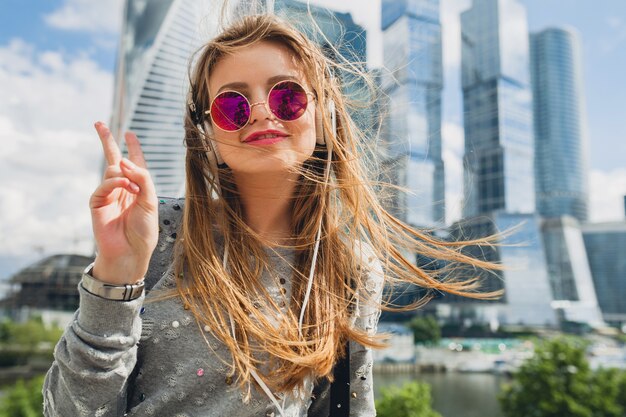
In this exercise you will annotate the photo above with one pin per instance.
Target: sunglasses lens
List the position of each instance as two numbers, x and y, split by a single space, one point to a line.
288 100
230 111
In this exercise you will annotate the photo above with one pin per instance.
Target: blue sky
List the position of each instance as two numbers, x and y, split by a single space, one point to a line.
57 60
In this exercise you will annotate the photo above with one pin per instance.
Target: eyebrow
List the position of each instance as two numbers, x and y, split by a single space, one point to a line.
270 81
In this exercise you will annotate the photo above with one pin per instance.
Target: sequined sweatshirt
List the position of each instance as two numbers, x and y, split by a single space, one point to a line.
136 359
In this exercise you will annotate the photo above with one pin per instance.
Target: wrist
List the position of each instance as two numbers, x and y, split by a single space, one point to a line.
118 271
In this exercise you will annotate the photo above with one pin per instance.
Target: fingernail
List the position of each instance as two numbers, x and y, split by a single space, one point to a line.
134 187
128 164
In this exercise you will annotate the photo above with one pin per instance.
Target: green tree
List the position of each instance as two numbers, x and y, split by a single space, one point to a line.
558 382
411 400
425 329
24 399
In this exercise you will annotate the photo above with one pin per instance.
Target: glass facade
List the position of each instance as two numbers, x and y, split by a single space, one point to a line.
527 298
497 104
151 84
569 271
606 252
412 129
560 131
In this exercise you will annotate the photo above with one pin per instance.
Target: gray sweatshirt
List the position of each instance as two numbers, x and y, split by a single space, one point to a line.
121 358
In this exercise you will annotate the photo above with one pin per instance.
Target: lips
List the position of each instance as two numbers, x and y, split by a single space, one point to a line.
263 135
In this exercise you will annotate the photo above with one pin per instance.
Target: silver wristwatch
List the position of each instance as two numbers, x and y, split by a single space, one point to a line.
126 292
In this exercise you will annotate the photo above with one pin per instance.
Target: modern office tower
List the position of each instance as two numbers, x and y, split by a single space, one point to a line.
570 276
497 104
560 129
413 83
606 252
498 162
158 39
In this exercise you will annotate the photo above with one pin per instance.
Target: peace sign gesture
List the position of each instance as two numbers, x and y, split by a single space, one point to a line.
124 213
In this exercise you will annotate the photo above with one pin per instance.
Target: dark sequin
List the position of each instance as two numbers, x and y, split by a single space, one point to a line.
176 207
282 280
143 310
166 222
142 397
229 380
173 235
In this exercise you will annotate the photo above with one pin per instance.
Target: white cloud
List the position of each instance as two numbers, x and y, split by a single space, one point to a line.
50 156
102 16
453 145
606 194
617 35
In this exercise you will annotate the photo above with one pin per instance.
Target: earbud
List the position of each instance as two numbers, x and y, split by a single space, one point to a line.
320 137
213 153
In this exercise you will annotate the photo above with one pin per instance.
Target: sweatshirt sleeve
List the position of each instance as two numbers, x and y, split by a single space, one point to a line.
366 315
94 359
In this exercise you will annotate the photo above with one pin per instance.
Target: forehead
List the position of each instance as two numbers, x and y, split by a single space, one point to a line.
254 65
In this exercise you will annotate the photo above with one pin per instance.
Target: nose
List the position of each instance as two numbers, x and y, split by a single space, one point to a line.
260 110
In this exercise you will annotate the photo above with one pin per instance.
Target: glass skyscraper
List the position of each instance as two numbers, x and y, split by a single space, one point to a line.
606 252
499 166
560 130
158 39
497 105
412 129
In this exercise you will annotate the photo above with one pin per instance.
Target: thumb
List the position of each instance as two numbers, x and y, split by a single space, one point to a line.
141 177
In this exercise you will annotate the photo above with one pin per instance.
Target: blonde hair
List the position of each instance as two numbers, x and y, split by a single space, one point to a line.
346 206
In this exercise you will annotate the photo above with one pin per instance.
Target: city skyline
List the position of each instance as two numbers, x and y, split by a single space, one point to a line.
51 196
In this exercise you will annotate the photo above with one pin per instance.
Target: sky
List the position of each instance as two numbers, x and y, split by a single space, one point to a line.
57 59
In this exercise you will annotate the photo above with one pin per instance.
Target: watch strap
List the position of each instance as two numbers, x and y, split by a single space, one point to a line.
126 292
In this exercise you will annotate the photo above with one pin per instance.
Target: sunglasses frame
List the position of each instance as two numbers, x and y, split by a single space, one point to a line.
209 112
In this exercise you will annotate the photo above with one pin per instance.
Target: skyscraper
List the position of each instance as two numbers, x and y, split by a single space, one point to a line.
560 131
498 163
158 39
413 85
497 104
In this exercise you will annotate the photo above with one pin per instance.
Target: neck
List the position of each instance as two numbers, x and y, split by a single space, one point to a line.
267 201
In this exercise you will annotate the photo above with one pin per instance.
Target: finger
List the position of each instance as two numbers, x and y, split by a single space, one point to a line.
135 153
102 195
141 177
111 149
112 171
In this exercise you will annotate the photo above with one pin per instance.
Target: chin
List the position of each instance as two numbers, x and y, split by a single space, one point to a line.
278 162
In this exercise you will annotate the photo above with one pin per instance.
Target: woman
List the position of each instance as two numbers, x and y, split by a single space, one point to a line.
278 251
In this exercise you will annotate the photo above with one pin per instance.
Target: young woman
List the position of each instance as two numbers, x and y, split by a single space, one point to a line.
270 271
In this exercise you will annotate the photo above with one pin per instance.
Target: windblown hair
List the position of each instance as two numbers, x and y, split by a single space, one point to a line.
346 204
